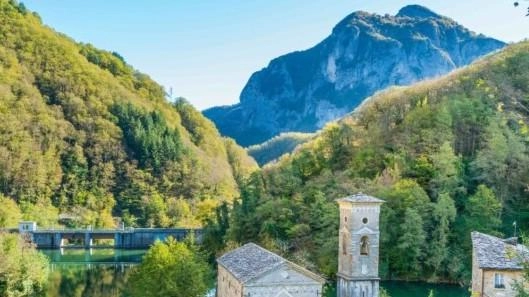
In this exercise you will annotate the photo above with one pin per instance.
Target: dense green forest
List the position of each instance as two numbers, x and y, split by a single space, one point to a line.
277 146
448 156
85 136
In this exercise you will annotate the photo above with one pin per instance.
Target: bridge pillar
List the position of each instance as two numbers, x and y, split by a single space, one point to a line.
118 240
87 240
57 241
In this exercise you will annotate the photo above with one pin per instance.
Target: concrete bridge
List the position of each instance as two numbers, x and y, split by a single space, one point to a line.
126 238
138 238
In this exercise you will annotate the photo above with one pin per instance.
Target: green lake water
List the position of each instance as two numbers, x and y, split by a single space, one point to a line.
104 272
90 273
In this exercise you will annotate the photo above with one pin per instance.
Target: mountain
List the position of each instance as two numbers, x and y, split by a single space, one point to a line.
277 146
365 53
448 156
84 135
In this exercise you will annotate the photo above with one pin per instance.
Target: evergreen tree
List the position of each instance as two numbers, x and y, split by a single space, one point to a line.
446 166
411 244
444 214
483 211
503 163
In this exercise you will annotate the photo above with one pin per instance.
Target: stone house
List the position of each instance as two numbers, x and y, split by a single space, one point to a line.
252 271
496 265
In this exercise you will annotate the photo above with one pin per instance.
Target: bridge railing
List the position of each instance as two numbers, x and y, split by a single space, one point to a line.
125 230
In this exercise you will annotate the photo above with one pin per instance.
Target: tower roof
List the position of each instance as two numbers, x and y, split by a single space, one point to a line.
360 198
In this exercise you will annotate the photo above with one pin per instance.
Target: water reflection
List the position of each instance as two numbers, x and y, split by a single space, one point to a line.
90 273
104 273
416 289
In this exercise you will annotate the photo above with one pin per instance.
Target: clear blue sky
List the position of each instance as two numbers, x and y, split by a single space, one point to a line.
206 50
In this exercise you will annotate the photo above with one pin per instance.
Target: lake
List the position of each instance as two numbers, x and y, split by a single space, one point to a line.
90 273
104 272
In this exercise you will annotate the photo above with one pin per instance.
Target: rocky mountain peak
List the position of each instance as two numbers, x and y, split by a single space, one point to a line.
302 91
417 11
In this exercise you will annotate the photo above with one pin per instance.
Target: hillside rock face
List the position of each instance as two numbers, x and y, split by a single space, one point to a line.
302 91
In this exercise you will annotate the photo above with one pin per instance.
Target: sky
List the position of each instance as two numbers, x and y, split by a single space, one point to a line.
207 50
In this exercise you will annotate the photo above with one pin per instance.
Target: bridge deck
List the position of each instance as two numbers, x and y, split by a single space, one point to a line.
129 238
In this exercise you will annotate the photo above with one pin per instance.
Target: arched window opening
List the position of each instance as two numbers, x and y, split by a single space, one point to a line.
364 246
344 244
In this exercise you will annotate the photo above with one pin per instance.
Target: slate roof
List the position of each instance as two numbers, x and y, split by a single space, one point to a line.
250 261
498 254
361 198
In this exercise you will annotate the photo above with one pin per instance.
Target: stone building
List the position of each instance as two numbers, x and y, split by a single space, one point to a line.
252 271
496 265
358 246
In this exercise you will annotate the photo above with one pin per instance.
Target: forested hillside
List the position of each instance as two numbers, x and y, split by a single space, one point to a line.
85 135
448 156
274 148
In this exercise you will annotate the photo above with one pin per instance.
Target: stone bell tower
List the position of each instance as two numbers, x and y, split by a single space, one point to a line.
359 241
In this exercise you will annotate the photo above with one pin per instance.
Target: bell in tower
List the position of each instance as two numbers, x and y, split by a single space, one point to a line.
359 242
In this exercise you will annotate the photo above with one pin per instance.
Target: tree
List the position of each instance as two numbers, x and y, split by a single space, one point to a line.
23 270
521 286
411 243
444 214
170 268
502 163
45 214
215 230
483 211
10 214
446 166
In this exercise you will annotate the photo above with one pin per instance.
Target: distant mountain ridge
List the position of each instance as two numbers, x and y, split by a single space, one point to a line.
301 91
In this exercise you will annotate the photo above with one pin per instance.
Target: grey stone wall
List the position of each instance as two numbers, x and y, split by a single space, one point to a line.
283 291
227 285
358 273
360 288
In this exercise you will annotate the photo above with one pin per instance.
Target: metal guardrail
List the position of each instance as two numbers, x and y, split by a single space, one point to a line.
127 230
130 229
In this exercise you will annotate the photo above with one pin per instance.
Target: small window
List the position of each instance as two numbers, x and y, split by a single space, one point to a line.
345 218
364 220
364 246
344 245
499 281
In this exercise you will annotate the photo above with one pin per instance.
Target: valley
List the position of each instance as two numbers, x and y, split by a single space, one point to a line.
411 112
